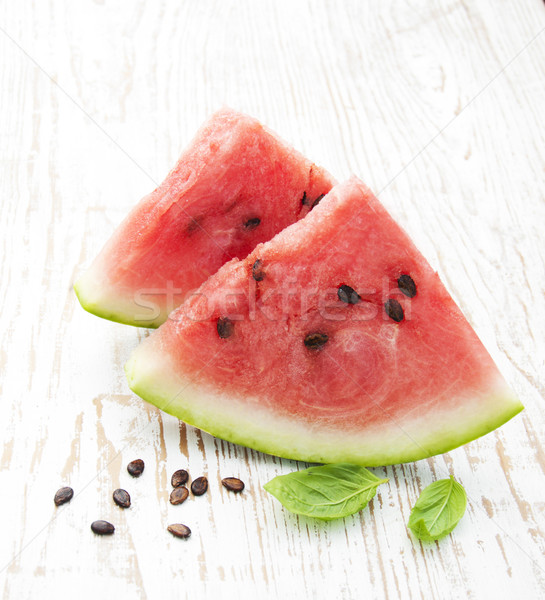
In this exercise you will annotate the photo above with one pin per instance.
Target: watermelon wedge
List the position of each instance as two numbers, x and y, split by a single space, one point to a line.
235 186
333 342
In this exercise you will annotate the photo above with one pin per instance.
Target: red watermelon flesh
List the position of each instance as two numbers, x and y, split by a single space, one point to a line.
235 186
333 342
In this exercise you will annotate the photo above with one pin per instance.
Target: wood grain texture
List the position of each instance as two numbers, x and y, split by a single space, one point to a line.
439 106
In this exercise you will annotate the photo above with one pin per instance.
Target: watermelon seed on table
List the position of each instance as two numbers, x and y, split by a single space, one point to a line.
136 467
199 486
225 327
314 341
406 285
101 527
179 530
394 310
63 495
178 495
179 478
233 484
122 498
348 295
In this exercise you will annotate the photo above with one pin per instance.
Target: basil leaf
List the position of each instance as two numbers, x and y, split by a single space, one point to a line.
438 510
327 492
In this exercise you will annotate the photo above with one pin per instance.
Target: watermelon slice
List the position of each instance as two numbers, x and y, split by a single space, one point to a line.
333 342
235 186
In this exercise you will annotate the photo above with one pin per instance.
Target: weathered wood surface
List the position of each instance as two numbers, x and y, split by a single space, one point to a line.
439 105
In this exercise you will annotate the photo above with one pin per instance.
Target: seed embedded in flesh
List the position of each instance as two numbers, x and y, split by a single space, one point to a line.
393 310
317 201
304 200
348 295
179 495
407 285
225 327
252 223
136 467
194 224
65 494
122 498
199 486
179 530
233 484
315 341
179 478
102 527
257 271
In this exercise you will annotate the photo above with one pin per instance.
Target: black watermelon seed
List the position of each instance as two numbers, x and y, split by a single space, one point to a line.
315 341
317 201
348 295
199 486
407 285
257 271
393 310
233 484
304 200
194 224
102 527
252 223
122 498
179 530
225 327
179 478
179 495
65 494
136 467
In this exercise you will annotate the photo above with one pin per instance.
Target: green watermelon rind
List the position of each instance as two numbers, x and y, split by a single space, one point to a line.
96 306
253 426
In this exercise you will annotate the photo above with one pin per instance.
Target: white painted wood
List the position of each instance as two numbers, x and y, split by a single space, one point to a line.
439 105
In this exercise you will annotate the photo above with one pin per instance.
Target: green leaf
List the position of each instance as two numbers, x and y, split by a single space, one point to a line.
438 510
327 492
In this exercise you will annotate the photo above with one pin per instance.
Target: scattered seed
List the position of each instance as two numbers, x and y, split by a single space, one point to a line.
315 341
179 530
179 495
252 223
304 200
393 310
179 478
199 486
136 467
348 295
317 201
233 484
225 327
65 494
102 527
122 498
257 271
407 285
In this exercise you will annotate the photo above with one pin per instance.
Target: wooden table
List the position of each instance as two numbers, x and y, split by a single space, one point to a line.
439 106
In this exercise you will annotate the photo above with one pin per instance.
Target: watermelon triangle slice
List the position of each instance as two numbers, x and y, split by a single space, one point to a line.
236 185
333 342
